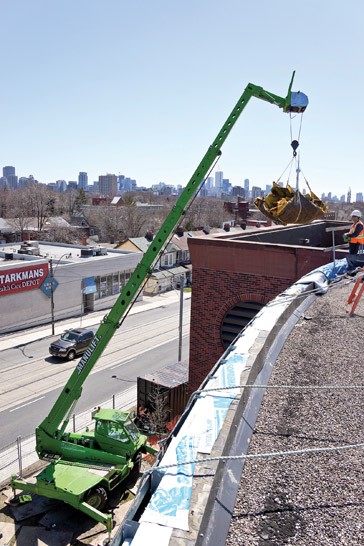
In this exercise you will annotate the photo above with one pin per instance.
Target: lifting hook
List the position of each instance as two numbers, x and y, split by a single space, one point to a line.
295 145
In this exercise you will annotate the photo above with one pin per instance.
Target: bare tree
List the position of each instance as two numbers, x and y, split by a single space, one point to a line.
204 211
41 201
61 234
120 223
159 412
4 194
134 220
19 211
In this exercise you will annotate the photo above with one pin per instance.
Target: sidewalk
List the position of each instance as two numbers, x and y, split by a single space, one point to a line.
23 337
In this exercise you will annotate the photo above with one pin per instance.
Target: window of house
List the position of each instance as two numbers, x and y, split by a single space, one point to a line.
168 259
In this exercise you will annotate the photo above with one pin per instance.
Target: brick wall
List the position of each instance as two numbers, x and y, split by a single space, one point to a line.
227 272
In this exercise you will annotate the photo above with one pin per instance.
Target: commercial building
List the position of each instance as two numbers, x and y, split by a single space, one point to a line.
235 275
84 279
83 181
108 184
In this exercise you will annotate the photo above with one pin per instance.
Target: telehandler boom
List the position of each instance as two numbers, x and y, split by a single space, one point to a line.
84 467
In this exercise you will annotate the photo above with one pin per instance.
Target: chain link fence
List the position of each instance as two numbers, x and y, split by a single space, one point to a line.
19 456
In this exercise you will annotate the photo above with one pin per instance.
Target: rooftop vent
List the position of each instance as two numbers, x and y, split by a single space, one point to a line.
86 252
99 251
29 248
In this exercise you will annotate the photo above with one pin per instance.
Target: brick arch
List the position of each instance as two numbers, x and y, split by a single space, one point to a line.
234 320
214 293
230 304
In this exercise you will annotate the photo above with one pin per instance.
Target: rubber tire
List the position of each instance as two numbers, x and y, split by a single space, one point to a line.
97 498
135 471
71 355
138 461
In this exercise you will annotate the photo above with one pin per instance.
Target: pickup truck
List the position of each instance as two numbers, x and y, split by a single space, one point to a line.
72 343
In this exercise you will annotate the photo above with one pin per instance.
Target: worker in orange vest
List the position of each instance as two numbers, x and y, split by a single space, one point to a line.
355 238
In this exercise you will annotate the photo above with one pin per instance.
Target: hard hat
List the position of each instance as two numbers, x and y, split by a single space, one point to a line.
357 213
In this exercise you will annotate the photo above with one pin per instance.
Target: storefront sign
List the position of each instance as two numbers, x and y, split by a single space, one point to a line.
22 278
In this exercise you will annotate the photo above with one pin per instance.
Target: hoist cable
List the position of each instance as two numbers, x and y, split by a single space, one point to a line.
287 167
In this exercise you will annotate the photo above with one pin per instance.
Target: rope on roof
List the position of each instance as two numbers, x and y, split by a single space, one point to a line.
309 451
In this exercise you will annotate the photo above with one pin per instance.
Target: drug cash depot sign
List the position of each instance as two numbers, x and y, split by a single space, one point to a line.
22 278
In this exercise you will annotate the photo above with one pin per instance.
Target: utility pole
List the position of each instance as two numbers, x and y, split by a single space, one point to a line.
51 274
181 287
52 291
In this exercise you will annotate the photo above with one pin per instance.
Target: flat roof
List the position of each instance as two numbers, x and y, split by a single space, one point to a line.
65 254
291 495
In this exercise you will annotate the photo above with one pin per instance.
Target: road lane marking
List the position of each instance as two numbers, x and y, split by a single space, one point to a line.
27 404
140 353
122 364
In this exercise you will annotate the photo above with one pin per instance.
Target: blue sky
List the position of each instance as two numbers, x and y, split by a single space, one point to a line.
142 88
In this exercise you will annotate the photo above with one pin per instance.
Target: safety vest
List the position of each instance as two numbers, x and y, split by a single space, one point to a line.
359 238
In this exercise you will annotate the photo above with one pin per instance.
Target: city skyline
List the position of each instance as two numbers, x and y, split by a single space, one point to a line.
144 88
215 185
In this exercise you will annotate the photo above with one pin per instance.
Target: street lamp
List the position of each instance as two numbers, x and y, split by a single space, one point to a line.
51 274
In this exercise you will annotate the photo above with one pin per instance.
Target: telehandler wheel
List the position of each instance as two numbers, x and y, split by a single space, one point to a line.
138 461
96 498
71 355
135 472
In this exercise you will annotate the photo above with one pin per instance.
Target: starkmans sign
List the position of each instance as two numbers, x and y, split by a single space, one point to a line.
22 278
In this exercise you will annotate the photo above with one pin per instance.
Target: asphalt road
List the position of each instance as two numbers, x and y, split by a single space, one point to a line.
31 379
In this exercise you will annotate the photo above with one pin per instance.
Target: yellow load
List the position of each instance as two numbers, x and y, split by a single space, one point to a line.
289 206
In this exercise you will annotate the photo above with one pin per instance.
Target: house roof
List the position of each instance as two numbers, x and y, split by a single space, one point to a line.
141 242
31 224
180 242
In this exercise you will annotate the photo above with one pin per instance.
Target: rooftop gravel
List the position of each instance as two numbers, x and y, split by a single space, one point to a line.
315 499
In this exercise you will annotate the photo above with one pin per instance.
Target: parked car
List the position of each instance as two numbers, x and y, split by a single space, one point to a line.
72 343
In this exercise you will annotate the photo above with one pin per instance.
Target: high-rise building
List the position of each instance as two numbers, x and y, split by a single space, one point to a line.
61 185
25 181
8 171
125 183
209 184
256 192
238 191
348 198
82 181
359 197
11 178
218 182
226 186
108 184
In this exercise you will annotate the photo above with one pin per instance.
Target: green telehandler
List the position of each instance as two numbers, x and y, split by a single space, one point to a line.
83 468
